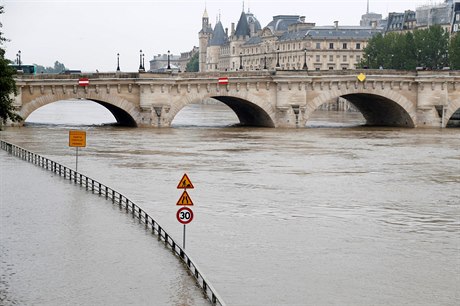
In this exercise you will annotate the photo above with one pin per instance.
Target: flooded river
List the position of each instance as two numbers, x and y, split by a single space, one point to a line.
337 215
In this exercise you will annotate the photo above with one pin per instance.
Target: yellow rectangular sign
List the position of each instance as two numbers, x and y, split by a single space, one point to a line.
77 139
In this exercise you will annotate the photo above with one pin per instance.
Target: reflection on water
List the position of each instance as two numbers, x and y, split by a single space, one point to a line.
84 112
351 216
71 112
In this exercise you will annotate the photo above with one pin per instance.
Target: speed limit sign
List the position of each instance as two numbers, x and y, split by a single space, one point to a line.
184 215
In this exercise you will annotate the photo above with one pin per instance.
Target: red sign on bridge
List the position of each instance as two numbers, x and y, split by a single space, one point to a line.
83 82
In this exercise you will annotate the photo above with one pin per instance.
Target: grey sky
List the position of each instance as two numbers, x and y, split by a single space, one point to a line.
87 34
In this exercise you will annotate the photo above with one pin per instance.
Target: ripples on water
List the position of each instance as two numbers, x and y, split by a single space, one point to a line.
343 214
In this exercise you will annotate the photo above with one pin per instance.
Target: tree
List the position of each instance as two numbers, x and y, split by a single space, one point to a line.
58 68
193 64
454 51
431 47
426 48
7 85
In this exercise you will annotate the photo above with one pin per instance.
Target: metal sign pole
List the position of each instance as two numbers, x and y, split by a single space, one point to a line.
76 162
183 241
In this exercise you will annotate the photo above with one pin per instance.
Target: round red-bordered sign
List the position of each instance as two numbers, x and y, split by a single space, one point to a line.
184 215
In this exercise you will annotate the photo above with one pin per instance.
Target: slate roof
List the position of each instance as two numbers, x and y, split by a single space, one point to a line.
242 28
255 40
219 37
331 33
282 22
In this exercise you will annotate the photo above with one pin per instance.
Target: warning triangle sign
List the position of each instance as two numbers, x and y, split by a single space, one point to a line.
185 199
185 183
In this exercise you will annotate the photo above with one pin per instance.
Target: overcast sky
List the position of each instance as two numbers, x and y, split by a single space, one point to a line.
87 34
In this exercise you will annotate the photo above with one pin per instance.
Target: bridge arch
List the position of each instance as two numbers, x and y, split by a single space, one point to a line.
454 106
249 111
123 111
378 107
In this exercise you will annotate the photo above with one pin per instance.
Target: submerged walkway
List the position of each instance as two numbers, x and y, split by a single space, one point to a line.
62 245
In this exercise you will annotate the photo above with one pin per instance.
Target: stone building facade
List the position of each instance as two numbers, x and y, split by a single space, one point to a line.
286 43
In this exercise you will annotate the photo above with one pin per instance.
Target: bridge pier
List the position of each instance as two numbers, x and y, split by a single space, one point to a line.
290 116
154 116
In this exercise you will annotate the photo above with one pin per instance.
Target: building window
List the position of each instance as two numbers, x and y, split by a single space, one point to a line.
344 58
318 58
318 45
331 45
331 58
358 46
358 58
344 46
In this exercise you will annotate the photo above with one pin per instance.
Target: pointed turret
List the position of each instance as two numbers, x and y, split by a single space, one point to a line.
204 37
242 28
219 37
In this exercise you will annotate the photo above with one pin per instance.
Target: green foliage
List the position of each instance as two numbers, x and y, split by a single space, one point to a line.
7 85
58 68
454 52
193 64
423 48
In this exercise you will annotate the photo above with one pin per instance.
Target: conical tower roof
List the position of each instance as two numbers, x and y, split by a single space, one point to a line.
242 28
219 37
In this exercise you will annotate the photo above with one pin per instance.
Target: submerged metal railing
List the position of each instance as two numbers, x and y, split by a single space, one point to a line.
125 204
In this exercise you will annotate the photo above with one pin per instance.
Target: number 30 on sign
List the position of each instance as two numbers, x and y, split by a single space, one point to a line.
184 215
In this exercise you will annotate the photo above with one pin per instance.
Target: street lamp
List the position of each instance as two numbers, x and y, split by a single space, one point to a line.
118 62
241 60
265 60
140 60
278 57
143 62
19 57
305 60
169 61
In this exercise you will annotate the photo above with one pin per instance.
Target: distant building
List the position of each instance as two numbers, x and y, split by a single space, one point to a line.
370 19
159 63
287 42
456 17
439 14
445 14
401 22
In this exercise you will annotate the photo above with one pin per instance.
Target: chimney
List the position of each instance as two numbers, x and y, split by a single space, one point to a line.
336 25
226 32
233 28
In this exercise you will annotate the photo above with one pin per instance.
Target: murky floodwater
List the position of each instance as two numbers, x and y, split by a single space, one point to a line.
329 216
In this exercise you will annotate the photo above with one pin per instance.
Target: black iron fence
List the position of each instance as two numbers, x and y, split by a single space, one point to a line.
125 204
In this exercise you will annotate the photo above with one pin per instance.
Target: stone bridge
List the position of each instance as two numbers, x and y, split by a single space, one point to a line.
264 98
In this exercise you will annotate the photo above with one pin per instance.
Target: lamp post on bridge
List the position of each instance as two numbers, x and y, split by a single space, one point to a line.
241 61
18 58
169 60
141 68
305 67
265 61
118 62
278 57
